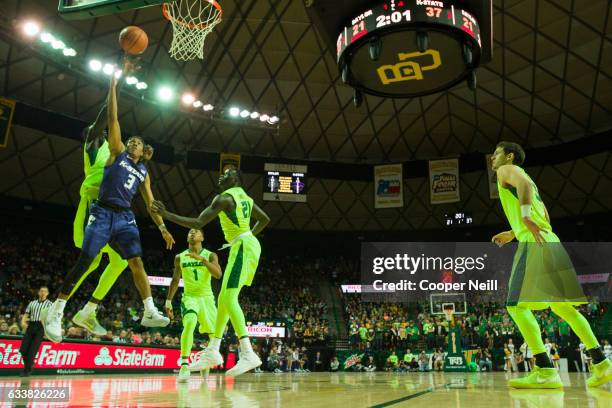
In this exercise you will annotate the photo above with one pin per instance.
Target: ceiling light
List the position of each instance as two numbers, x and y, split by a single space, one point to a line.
131 80
188 99
244 113
208 107
254 115
31 28
58 45
118 73
234 111
264 117
197 104
69 52
273 119
142 85
95 65
165 93
46 37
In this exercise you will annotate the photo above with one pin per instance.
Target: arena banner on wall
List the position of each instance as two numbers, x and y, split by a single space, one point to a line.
493 193
388 184
444 181
265 330
7 108
74 358
228 161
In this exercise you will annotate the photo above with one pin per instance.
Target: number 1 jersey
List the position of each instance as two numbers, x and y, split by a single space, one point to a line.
196 276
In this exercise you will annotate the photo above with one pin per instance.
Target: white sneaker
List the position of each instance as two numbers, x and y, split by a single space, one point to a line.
204 373
154 319
89 322
53 325
247 362
184 374
209 358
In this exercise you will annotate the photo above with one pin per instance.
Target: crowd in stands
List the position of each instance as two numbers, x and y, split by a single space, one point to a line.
284 290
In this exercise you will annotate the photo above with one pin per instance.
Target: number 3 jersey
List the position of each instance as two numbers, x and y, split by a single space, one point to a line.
196 276
237 222
121 181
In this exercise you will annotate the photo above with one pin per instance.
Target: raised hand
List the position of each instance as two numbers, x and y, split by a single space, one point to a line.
502 238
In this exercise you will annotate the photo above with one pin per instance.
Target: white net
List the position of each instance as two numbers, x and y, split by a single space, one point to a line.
192 21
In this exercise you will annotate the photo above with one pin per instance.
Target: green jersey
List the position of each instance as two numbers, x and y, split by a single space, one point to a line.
196 276
238 221
93 164
512 209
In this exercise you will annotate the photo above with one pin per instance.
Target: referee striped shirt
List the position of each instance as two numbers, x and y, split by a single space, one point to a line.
35 307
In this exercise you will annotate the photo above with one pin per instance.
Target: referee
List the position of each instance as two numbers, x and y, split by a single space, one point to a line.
35 331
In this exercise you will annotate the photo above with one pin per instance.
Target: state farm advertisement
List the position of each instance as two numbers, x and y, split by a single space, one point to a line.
91 356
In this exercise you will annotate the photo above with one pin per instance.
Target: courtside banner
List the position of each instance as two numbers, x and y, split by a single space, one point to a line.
67 357
492 177
228 161
265 331
444 181
483 272
388 185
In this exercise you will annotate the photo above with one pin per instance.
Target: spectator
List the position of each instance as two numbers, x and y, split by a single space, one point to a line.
370 366
318 363
423 361
334 365
607 349
484 360
439 360
392 361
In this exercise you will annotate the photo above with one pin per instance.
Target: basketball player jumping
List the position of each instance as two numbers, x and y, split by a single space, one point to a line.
95 156
234 209
542 274
196 265
111 220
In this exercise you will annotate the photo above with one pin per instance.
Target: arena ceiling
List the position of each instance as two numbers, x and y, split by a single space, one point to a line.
550 82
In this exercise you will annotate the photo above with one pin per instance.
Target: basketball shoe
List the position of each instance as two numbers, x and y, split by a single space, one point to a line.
539 378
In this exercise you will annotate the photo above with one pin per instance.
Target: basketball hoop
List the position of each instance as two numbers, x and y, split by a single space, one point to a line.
192 21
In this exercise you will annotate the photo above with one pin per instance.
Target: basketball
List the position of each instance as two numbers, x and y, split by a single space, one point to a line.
133 40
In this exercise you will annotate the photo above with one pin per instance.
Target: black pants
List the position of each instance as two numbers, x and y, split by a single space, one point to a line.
31 341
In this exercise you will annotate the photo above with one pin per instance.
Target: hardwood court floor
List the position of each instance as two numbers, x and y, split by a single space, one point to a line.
346 390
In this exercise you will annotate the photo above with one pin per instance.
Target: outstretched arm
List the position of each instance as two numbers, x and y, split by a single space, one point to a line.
147 196
94 134
115 145
261 217
219 203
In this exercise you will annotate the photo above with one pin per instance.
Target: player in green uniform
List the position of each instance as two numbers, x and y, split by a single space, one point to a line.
542 273
196 265
95 155
234 209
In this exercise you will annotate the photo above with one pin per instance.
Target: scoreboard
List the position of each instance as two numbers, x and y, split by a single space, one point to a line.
285 182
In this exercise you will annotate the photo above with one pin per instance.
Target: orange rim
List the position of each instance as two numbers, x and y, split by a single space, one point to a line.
168 17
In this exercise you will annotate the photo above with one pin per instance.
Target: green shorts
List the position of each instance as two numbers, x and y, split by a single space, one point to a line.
80 222
543 274
204 308
242 263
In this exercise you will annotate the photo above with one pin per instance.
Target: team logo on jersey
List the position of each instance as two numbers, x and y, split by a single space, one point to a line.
91 220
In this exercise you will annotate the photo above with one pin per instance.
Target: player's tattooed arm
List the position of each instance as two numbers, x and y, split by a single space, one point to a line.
220 203
261 217
115 145
147 196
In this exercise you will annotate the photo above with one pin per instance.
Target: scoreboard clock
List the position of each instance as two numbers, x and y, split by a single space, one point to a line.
406 48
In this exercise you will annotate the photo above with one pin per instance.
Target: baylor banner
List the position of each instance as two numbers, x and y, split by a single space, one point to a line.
388 186
444 181
7 108
228 161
